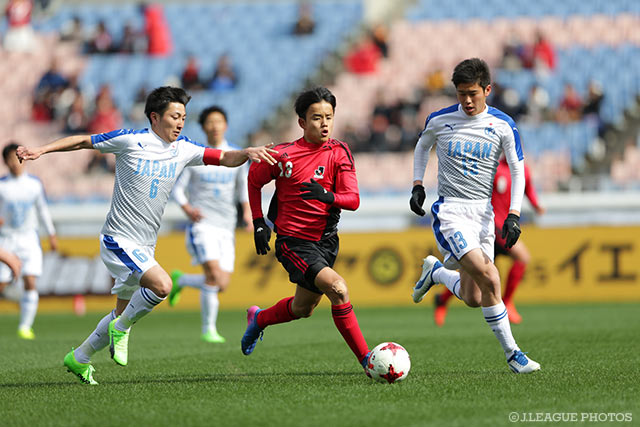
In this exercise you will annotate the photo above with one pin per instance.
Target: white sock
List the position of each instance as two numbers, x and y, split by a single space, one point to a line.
496 317
191 280
28 308
142 302
98 340
209 304
449 278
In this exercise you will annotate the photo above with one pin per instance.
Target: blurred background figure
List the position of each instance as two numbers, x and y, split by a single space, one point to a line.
19 36
224 77
190 78
157 31
305 23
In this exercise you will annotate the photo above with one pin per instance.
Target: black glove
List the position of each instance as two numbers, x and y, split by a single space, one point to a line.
315 191
511 230
417 199
261 236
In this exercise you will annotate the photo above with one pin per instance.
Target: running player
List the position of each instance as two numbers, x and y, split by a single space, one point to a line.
315 178
148 162
210 205
21 200
469 139
501 199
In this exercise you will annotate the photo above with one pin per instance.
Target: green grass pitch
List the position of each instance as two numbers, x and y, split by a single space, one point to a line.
303 373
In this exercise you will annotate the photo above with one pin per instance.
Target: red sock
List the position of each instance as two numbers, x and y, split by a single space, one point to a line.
514 278
279 313
347 323
444 296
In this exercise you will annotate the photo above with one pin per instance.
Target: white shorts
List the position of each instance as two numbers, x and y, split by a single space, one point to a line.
25 246
127 261
461 225
208 243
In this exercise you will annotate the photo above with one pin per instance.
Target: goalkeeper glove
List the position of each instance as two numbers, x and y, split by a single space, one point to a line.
511 230
417 199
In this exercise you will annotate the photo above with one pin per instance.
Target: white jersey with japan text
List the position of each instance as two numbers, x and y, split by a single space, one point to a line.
468 149
147 167
22 202
214 191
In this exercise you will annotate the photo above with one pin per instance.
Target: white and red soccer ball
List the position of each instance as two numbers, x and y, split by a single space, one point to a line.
389 363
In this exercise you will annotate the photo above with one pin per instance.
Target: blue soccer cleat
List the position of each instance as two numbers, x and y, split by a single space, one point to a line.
365 364
253 332
425 282
521 364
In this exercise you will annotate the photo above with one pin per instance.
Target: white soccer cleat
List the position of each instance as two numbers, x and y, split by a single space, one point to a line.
521 364
425 282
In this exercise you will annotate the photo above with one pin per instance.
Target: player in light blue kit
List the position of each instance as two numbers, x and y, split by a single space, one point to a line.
22 199
208 196
148 162
469 138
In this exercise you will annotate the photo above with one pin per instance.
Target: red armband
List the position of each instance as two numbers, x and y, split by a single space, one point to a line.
211 156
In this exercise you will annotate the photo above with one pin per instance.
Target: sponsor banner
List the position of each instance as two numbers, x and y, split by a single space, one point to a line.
567 265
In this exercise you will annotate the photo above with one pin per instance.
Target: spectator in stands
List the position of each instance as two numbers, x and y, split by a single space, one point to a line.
132 41
49 88
76 119
592 105
157 31
364 58
224 78
536 108
544 56
190 78
305 23
101 41
570 109
19 36
99 163
515 55
379 37
136 113
106 116
73 31
507 100
434 83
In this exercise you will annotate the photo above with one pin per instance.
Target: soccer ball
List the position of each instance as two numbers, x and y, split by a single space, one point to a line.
389 362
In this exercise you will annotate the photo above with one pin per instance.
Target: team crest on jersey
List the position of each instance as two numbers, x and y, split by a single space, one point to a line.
174 150
319 172
490 131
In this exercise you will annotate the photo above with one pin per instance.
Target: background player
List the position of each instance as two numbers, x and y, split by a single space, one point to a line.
148 162
469 138
315 178
500 200
213 193
21 199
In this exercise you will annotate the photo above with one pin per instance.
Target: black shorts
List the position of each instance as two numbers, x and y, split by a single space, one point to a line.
304 259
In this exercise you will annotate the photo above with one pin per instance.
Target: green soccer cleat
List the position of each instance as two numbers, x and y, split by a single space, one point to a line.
213 337
118 344
26 334
84 371
174 295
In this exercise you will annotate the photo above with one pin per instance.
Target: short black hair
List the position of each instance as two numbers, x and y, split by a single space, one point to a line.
213 109
159 99
311 96
6 151
473 70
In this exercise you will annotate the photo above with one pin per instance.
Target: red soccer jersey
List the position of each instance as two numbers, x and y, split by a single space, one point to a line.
501 196
331 164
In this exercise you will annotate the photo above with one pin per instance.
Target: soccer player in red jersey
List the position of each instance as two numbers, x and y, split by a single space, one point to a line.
501 199
315 178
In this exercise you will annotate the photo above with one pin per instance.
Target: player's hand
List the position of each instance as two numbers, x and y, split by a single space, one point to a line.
261 236
258 154
24 153
53 242
511 230
417 199
192 213
313 190
540 210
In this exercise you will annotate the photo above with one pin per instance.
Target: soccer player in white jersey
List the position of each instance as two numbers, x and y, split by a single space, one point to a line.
208 196
21 200
148 162
469 138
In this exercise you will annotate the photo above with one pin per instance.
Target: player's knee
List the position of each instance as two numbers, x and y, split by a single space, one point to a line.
338 291
162 287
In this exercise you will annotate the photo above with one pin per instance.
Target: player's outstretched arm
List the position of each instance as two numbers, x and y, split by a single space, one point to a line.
255 154
68 143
